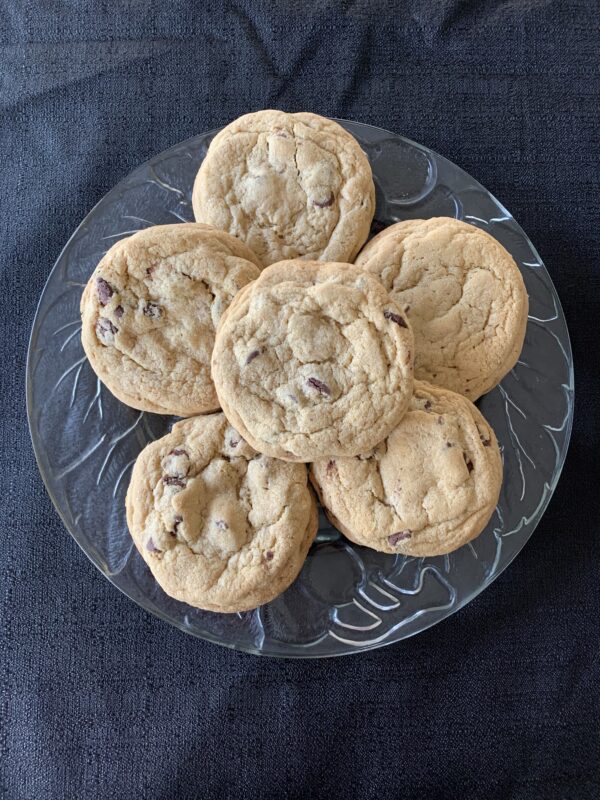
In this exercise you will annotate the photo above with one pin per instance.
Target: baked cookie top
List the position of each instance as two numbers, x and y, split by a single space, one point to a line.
313 359
150 310
289 186
431 487
221 527
463 294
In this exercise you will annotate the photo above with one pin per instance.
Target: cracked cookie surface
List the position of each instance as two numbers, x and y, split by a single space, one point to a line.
429 488
289 186
313 359
221 526
150 310
463 294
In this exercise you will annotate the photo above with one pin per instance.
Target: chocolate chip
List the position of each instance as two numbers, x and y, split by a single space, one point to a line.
427 405
105 330
325 203
331 467
176 466
105 291
234 442
106 325
152 547
269 555
150 271
468 462
321 387
173 480
119 311
221 525
176 523
449 444
398 537
395 318
152 310
251 356
485 442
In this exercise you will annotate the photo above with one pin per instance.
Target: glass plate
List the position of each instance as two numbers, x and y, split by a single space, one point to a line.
347 598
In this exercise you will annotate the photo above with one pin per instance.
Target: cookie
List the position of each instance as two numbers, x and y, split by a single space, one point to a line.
150 310
221 527
289 186
313 359
463 294
431 487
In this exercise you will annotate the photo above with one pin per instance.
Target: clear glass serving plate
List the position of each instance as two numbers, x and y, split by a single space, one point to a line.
347 598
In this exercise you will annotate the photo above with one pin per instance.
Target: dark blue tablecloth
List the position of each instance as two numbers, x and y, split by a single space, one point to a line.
100 700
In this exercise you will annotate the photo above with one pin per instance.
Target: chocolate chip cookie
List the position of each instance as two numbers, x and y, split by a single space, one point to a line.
313 359
150 310
429 488
289 186
463 294
221 527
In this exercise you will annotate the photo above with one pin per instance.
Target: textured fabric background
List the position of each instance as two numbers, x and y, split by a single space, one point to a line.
100 700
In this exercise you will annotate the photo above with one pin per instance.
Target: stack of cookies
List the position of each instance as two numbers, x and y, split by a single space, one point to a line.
295 367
